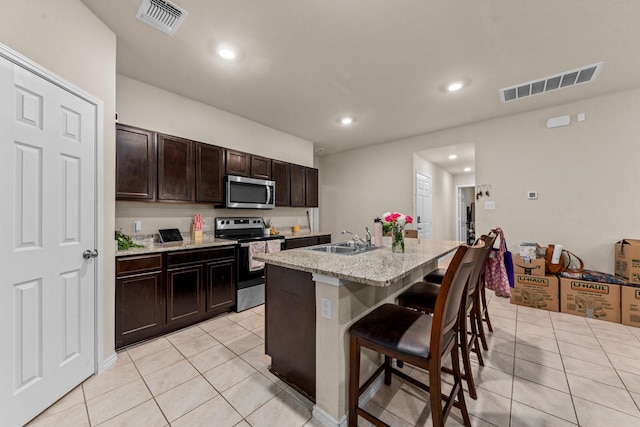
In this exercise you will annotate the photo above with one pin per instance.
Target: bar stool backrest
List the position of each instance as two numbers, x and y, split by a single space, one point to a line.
449 302
474 279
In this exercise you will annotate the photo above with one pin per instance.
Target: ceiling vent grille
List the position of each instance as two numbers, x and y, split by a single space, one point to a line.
570 78
162 15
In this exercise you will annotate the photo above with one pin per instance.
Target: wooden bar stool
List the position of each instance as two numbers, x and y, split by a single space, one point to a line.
417 338
436 277
423 296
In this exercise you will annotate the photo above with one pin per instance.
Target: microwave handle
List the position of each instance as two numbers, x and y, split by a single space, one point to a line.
268 194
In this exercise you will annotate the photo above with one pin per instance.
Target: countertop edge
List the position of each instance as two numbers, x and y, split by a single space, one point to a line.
361 268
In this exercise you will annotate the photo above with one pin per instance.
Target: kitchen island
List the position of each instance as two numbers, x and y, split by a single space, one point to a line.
312 298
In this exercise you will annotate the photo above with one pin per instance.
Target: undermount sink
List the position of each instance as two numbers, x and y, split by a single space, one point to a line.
342 248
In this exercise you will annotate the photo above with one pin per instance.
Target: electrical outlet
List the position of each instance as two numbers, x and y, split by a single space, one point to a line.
489 205
326 308
137 226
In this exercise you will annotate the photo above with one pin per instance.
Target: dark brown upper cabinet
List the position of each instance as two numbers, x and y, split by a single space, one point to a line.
260 167
311 187
281 174
209 173
298 187
175 169
135 164
238 163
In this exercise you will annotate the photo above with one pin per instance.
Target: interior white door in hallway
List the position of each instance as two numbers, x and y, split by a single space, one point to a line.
424 206
48 213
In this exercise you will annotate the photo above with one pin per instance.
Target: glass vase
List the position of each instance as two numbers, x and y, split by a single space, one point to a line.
397 239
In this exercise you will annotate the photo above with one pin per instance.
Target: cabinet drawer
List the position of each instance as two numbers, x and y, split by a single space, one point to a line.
138 264
301 242
199 255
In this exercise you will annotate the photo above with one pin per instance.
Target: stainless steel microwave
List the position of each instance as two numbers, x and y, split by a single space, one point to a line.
250 193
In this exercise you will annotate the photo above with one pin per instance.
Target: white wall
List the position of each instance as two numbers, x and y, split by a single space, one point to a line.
66 38
464 180
585 174
149 107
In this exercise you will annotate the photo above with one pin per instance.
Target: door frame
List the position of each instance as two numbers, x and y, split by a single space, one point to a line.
458 190
24 62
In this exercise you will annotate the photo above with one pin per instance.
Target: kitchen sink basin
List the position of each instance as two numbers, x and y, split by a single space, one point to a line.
342 248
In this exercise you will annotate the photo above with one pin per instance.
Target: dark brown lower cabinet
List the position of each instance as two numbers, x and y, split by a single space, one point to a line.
290 327
159 293
301 242
184 295
139 298
220 296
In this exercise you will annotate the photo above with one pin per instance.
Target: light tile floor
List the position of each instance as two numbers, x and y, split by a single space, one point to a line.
541 369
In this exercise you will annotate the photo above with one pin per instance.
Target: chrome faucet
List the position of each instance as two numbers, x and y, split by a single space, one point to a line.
357 240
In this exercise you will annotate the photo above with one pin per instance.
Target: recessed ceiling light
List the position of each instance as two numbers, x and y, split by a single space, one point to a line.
453 156
227 53
467 169
454 86
346 121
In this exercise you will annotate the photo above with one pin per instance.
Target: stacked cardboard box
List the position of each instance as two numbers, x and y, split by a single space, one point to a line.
627 267
590 299
630 302
532 267
627 258
535 291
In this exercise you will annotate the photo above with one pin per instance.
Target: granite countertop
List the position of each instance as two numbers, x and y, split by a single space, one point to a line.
208 241
379 267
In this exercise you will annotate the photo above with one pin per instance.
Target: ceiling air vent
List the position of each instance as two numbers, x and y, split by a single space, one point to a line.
161 14
570 78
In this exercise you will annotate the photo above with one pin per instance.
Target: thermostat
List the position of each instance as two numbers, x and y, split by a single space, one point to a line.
532 195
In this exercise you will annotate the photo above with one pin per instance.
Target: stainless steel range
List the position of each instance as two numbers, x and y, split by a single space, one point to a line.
248 231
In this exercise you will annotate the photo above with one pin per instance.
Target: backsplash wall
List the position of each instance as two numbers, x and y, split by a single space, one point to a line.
155 216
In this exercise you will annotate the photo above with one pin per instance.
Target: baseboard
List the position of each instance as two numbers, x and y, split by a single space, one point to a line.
328 421
108 362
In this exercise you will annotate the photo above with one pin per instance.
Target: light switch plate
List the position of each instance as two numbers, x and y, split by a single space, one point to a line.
137 226
489 206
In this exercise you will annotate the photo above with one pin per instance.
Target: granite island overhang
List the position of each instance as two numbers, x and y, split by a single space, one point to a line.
312 298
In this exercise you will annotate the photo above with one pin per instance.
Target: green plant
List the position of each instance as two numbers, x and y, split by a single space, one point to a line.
266 222
125 242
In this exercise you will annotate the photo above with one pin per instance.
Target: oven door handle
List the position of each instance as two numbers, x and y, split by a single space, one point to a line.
246 244
268 194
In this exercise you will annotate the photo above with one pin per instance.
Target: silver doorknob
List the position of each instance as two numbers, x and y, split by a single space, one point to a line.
90 253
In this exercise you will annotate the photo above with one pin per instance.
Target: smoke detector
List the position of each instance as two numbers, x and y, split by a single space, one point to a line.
162 15
546 84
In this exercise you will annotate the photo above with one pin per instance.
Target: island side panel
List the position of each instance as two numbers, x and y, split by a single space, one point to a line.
349 302
290 327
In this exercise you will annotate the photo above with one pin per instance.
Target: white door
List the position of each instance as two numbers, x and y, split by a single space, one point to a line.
47 188
424 208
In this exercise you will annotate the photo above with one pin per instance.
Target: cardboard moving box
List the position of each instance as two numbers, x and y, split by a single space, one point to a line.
627 258
535 291
590 299
630 301
533 268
